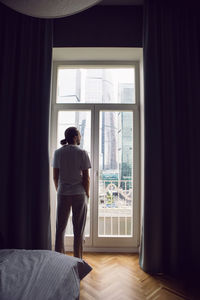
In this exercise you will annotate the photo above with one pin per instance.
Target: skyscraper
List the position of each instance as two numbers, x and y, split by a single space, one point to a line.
99 89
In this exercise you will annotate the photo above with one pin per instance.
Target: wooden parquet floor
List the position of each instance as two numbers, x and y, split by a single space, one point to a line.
119 277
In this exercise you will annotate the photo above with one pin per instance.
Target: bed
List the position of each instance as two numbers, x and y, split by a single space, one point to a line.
40 275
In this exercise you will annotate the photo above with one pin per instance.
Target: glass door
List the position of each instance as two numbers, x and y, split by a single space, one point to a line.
115 177
62 118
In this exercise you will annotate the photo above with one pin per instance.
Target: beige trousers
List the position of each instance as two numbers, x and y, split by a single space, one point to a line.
78 203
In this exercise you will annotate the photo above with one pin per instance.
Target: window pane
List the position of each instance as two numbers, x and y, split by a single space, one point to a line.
79 119
116 174
96 85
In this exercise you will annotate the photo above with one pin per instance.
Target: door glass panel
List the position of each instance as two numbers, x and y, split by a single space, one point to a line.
115 174
81 120
96 85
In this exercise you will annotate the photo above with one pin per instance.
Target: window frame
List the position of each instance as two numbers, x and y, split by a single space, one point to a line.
55 107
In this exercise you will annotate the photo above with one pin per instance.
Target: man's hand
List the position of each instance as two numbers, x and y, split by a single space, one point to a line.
55 177
86 182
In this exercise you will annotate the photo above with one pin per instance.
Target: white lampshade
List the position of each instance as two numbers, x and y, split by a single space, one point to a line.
49 8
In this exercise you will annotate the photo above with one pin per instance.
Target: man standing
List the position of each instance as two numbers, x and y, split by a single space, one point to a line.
71 178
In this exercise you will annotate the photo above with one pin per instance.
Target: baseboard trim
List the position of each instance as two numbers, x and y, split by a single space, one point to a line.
104 249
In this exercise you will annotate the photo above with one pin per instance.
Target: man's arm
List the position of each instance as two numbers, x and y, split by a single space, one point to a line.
86 182
55 177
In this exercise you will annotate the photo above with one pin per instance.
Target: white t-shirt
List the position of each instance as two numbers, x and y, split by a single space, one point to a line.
71 160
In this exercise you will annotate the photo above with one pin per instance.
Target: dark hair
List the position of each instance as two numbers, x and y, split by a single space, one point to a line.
70 133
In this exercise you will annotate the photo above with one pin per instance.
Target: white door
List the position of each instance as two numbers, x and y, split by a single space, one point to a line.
115 177
110 134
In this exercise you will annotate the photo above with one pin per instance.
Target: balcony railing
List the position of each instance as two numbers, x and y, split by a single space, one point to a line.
114 211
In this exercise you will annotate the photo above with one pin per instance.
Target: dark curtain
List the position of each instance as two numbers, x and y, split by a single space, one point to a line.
171 219
25 73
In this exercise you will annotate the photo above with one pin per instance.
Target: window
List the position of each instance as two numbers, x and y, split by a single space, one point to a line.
101 99
95 85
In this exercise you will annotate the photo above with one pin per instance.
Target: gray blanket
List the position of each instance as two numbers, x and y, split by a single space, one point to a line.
40 275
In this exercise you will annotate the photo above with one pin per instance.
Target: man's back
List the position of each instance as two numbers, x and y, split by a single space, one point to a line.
71 160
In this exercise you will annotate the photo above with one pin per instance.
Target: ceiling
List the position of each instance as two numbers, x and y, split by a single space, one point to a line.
121 2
